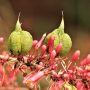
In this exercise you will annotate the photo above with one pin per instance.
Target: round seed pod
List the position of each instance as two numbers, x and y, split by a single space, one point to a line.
66 44
19 41
61 37
26 46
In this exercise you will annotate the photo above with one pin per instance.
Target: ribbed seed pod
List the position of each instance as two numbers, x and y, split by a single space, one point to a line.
19 41
66 44
26 46
14 43
61 37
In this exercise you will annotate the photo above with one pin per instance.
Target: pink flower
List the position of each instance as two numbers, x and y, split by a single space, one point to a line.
1 40
52 57
86 60
33 78
80 86
40 42
34 43
60 84
11 76
83 62
43 49
76 55
51 43
58 48
2 75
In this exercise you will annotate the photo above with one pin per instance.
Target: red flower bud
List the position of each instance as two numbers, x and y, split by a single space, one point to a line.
34 43
88 59
51 43
1 40
66 76
40 42
58 48
53 54
43 49
80 86
83 62
52 57
88 74
11 76
2 75
76 55
33 78
54 73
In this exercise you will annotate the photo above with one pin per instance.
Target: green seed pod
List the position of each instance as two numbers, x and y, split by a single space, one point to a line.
68 87
14 43
66 44
61 37
19 41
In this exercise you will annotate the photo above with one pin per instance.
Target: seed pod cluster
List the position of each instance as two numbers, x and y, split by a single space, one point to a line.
61 37
19 41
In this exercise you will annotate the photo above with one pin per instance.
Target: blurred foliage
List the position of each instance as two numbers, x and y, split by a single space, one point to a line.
7 18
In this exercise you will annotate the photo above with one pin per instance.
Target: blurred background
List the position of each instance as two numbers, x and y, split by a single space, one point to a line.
40 16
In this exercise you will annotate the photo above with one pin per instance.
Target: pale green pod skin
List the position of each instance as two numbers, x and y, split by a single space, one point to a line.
68 86
60 29
61 37
19 41
26 41
66 44
14 43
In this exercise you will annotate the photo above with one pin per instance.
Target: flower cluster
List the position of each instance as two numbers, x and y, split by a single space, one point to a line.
45 58
44 61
